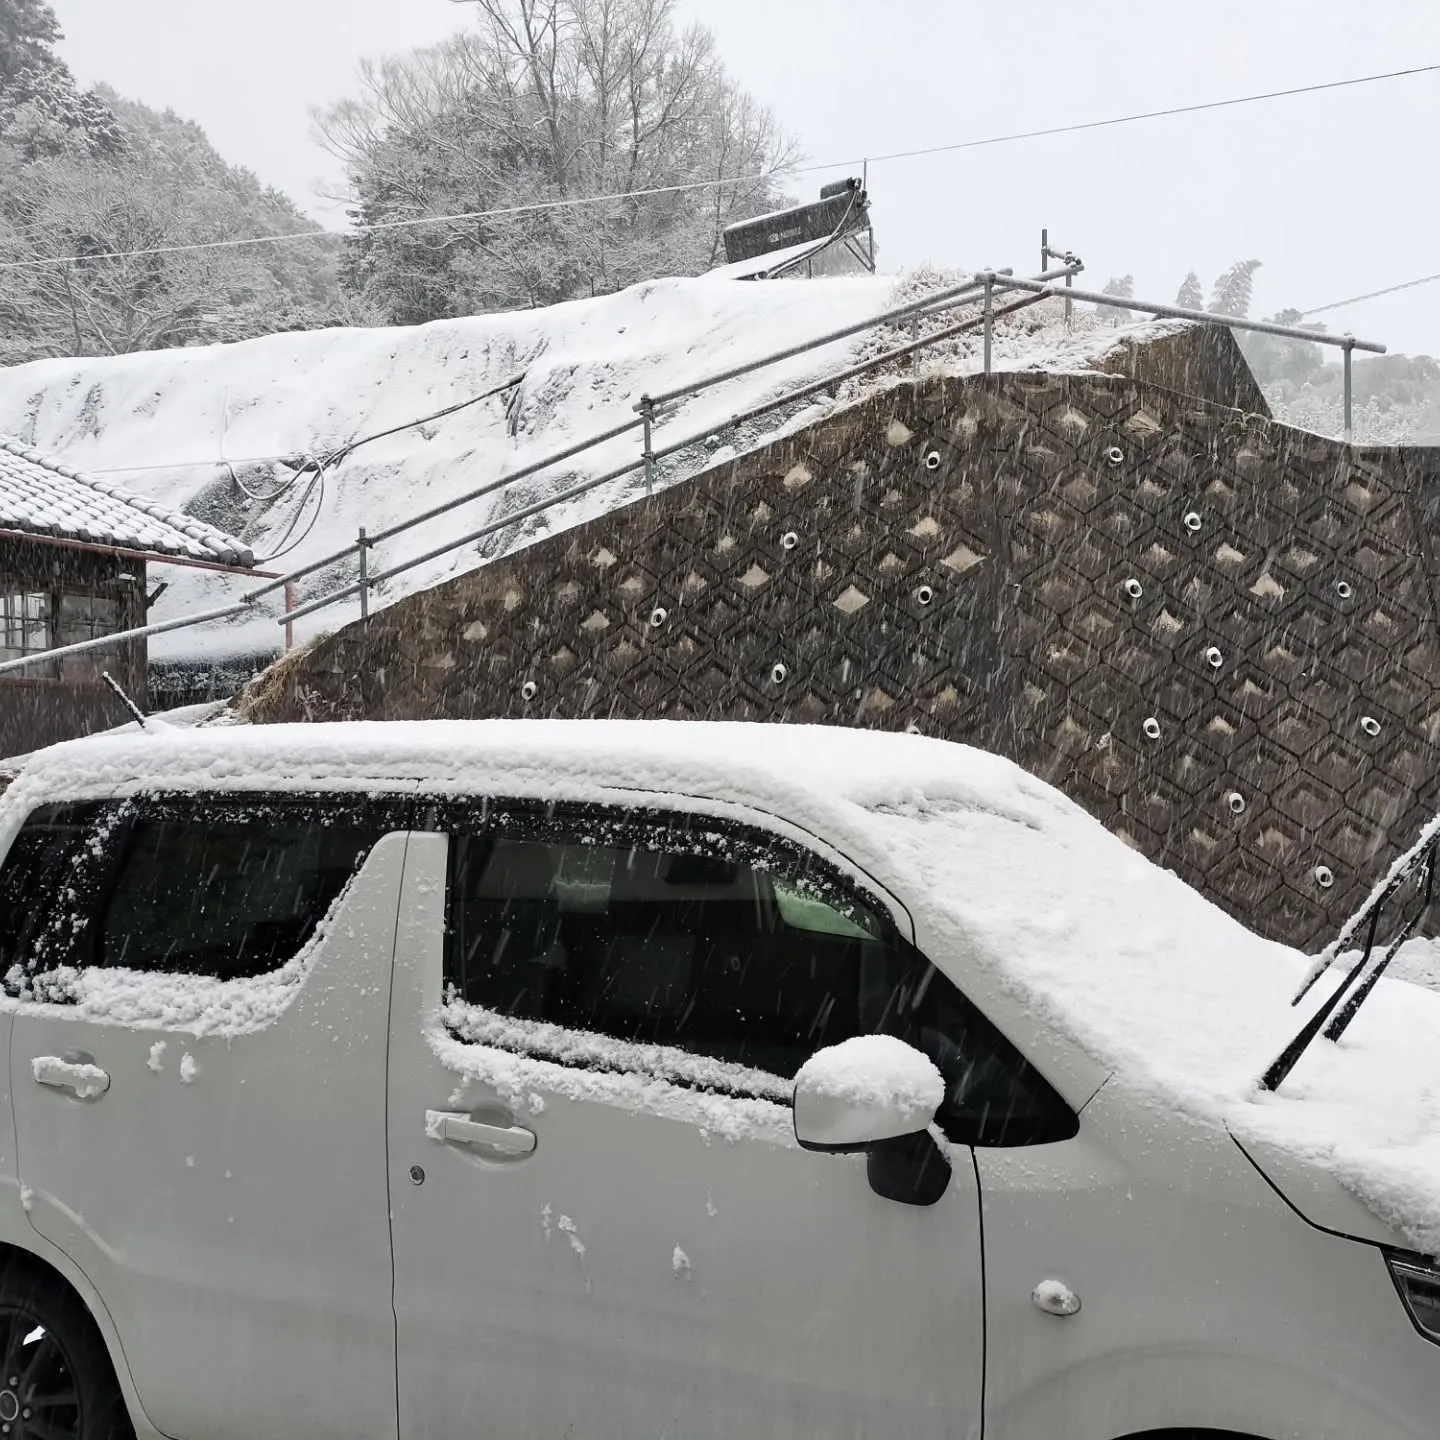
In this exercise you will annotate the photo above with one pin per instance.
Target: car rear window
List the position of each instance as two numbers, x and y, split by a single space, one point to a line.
41 873
228 895
227 887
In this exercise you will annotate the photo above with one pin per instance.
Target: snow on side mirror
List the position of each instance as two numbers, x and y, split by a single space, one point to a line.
864 1091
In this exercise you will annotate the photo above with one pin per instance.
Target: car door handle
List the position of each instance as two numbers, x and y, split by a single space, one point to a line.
84 1080
460 1129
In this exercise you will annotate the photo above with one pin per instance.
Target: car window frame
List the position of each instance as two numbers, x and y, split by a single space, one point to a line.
657 815
101 856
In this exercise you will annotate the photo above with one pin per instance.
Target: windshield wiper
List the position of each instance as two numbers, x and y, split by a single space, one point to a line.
1423 856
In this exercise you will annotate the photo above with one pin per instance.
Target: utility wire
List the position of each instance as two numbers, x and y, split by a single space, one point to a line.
302 464
540 206
1371 295
1150 115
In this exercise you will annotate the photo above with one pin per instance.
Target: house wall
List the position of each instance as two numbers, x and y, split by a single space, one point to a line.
69 699
1037 565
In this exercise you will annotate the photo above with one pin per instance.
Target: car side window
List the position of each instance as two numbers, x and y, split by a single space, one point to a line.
230 895
687 937
228 888
41 880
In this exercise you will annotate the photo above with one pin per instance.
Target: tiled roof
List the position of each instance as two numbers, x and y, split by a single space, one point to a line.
43 497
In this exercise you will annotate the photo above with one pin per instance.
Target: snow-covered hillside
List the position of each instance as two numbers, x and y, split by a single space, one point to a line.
166 423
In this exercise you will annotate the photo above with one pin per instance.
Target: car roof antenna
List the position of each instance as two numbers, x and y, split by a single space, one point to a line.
1419 863
125 700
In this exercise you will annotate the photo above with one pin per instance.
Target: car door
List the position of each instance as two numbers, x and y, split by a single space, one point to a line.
198 1071
603 1226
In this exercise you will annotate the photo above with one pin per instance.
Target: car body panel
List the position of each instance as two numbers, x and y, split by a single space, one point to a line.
1317 1196
1205 1300
640 1274
231 1207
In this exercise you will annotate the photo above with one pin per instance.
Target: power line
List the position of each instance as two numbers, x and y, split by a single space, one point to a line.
379 225
1155 114
540 206
1372 295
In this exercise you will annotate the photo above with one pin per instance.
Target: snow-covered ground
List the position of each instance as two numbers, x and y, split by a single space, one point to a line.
165 423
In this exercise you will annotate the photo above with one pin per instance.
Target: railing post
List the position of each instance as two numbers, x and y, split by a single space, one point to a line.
989 315
1069 286
363 546
647 419
1349 393
914 338
289 606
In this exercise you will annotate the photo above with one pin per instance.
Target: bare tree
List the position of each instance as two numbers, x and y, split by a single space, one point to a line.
543 104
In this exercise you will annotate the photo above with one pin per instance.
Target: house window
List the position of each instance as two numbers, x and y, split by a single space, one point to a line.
86 617
25 627
33 621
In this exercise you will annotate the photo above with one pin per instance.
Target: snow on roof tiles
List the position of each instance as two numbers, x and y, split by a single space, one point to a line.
41 496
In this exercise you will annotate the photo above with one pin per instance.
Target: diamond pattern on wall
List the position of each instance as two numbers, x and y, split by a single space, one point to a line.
992 600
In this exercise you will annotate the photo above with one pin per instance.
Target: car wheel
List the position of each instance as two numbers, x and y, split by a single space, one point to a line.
56 1381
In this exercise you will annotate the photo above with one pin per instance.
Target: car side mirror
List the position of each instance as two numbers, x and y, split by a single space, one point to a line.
877 1095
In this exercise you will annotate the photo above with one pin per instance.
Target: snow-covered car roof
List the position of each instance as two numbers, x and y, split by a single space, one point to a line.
41 496
1109 950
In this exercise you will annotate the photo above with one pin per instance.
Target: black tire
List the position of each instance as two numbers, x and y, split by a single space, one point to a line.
56 1379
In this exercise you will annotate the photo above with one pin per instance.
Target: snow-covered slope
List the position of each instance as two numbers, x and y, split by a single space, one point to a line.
164 423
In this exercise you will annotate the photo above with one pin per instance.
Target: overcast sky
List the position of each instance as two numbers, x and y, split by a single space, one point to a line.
1327 190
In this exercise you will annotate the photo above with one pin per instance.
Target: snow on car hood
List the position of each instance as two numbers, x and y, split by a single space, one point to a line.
1110 950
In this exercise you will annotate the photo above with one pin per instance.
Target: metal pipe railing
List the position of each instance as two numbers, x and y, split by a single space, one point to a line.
648 457
1347 343
101 642
647 406
1002 281
943 300
981 288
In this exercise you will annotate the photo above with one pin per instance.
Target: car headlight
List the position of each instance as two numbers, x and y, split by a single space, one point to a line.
1418 1282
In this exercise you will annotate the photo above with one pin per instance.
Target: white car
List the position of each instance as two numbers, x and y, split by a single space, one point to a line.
463 1079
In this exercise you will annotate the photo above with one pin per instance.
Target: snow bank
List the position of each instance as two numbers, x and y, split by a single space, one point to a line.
165 423
998 867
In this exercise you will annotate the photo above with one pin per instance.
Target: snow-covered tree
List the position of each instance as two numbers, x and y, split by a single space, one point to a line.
1191 296
1232 292
42 110
28 32
61 208
546 102
1123 288
1276 360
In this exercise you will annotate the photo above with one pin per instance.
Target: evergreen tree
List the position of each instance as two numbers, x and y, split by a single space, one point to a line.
1123 288
28 32
1231 295
1191 296
42 111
